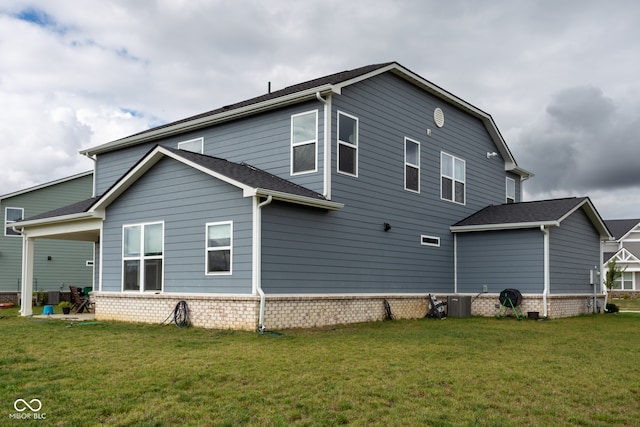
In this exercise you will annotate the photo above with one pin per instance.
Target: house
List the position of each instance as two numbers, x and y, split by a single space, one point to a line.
57 264
624 249
306 206
549 250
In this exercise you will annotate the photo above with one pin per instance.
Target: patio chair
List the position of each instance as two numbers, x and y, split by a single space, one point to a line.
80 304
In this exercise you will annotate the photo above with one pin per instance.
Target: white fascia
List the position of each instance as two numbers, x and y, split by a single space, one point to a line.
494 227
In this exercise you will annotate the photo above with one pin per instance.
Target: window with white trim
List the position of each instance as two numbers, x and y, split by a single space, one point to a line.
625 281
195 145
347 144
12 215
411 165
142 256
511 190
430 241
304 142
219 247
452 182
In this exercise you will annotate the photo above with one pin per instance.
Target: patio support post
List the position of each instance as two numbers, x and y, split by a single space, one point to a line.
28 244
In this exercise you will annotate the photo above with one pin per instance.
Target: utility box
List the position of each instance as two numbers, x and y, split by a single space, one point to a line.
53 297
458 306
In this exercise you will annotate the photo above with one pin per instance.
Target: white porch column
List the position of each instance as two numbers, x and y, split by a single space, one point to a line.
28 244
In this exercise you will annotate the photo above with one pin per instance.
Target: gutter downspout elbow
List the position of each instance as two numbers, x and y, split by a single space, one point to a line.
545 261
258 263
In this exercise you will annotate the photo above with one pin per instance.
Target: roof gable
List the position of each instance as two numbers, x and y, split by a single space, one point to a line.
529 215
620 228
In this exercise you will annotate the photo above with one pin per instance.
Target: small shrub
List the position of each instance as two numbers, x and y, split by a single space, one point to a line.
612 308
626 296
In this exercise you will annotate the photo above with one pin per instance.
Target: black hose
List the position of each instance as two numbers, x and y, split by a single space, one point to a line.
180 315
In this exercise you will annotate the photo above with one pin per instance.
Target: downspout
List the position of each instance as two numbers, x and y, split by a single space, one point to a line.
546 273
327 144
257 259
94 173
455 263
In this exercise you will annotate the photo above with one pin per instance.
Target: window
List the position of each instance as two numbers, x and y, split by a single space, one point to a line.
452 172
304 138
347 144
624 282
429 241
195 145
411 165
12 215
511 190
142 256
219 247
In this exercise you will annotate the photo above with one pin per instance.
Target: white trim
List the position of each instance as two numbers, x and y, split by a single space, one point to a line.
305 142
415 166
141 258
453 178
506 190
355 146
221 248
508 226
190 141
327 148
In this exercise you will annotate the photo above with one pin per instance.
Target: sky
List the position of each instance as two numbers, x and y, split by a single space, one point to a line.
560 78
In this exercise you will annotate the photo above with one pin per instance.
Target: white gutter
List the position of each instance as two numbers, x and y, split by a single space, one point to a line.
455 263
301 200
257 257
327 144
546 273
503 226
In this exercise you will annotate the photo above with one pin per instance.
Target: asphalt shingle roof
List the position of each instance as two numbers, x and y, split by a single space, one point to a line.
75 208
620 227
524 212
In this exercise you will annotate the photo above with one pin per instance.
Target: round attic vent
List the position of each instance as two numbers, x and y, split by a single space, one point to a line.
438 117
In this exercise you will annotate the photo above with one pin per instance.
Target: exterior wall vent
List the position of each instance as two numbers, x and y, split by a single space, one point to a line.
438 117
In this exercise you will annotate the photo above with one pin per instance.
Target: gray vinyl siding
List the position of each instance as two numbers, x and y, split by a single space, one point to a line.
262 140
500 260
185 200
67 266
574 250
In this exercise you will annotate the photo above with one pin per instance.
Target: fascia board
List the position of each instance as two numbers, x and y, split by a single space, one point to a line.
82 216
301 200
593 216
211 120
631 230
507 226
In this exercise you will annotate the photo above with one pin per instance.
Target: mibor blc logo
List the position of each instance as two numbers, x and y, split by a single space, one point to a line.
28 410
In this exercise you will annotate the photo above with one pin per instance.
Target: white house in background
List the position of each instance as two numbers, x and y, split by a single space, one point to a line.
625 250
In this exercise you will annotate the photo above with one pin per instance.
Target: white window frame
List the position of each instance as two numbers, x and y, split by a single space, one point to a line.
453 178
208 249
620 282
407 164
295 144
349 144
510 184
7 222
435 243
192 142
142 258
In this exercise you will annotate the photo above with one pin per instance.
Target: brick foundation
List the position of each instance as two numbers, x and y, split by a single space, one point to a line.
306 311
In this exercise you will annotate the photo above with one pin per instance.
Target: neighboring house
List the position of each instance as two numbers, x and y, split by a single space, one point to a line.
306 206
57 263
624 248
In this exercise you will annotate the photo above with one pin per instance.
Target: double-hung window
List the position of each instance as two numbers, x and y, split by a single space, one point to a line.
219 247
347 144
625 281
304 142
452 173
511 190
142 256
12 215
411 165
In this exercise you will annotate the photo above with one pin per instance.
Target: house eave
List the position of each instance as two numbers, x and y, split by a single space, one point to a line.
203 122
293 198
506 226
82 216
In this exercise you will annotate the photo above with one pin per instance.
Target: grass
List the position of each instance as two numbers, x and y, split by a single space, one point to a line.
627 304
581 371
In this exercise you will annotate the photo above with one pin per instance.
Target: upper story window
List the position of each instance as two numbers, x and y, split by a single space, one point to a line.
347 144
142 256
219 247
511 190
304 142
411 165
452 173
12 215
196 145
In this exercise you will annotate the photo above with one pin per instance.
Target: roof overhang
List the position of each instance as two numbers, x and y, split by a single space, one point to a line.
83 226
505 226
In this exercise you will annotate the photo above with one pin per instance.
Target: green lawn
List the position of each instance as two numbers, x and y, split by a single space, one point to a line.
582 371
627 304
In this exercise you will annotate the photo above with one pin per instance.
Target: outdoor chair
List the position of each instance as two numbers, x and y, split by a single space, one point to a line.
80 304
